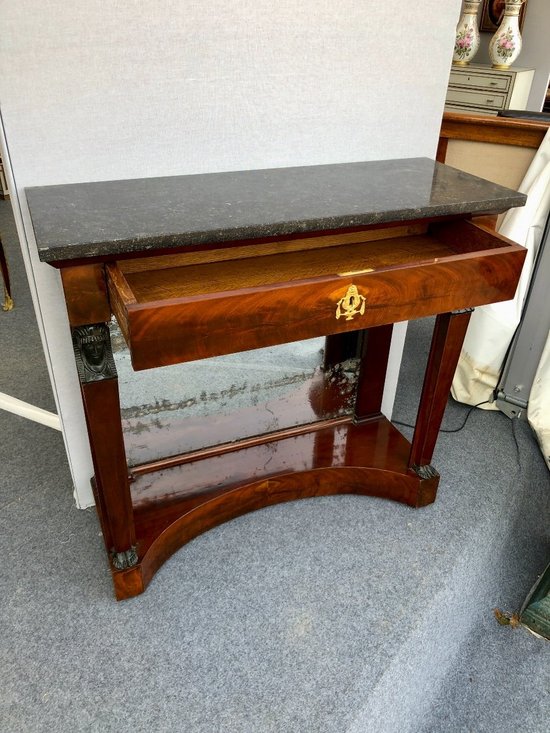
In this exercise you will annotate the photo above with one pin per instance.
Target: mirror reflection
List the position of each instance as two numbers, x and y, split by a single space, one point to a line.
190 406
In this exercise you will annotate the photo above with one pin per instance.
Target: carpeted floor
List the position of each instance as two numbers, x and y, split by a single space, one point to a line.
333 615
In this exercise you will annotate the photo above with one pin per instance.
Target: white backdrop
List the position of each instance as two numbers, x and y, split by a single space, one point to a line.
97 89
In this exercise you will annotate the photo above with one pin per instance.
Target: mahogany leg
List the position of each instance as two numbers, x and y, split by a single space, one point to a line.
339 347
375 349
99 387
448 336
330 391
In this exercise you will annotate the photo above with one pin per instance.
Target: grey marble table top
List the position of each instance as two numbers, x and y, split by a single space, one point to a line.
98 219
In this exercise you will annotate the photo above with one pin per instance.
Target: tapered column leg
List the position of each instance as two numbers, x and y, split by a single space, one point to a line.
372 347
339 347
447 340
329 392
99 387
375 349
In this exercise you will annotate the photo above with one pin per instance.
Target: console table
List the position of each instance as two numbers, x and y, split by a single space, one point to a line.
202 265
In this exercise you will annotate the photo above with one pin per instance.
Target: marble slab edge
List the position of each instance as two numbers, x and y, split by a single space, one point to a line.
105 219
138 245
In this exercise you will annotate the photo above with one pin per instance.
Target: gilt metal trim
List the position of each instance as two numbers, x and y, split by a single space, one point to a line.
126 559
425 472
351 304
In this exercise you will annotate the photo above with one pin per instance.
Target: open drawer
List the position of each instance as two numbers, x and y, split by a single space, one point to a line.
199 304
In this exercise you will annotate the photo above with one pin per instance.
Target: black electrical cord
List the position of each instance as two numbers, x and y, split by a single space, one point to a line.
448 430
518 452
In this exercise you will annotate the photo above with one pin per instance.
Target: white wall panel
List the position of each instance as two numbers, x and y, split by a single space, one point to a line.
95 90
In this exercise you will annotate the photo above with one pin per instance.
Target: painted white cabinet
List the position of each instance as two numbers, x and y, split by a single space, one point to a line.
480 89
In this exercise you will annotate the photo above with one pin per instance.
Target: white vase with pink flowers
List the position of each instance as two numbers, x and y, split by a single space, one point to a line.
505 45
467 34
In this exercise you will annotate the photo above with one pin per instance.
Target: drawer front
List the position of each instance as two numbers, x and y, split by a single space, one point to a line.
477 98
162 333
470 110
492 82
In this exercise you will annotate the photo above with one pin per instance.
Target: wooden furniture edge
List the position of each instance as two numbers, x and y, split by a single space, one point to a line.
406 487
390 476
489 129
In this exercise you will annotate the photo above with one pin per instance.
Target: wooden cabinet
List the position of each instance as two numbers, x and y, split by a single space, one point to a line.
198 266
484 90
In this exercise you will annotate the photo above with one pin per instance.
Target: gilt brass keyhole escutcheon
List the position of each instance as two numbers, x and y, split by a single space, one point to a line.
351 305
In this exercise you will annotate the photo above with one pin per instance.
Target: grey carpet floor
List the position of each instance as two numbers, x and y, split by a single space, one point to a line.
334 615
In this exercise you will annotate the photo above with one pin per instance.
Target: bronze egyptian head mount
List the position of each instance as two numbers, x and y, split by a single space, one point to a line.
93 353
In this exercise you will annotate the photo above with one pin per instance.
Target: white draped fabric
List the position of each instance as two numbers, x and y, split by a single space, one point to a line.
492 327
538 411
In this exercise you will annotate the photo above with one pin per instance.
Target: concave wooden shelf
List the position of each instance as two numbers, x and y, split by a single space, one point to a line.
367 459
447 266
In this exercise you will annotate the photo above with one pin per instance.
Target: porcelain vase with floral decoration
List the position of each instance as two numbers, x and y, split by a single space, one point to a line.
467 34
505 45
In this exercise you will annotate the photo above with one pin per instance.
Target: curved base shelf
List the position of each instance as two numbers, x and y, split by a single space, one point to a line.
369 459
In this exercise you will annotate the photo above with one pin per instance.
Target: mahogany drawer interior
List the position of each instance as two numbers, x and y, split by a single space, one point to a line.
204 279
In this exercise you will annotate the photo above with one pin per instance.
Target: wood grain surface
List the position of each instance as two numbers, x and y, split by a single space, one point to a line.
185 313
371 460
490 129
